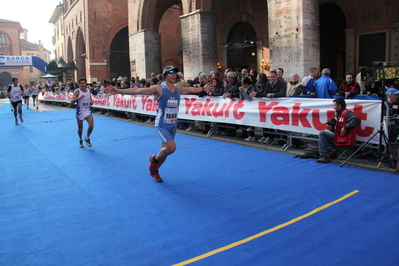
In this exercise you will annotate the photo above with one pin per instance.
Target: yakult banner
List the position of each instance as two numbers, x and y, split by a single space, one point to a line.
304 115
15 60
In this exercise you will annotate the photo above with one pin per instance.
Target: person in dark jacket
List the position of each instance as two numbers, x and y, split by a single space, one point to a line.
275 87
349 87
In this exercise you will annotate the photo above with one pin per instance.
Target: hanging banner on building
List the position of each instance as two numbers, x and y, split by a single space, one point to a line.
15 60
304 115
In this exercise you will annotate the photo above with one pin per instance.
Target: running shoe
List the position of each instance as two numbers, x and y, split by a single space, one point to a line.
262 139
80 143
88 142
157 178
153 166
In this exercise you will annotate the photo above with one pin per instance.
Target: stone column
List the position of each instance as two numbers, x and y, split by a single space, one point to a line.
294 35
145 56
198 43
349 53
395 42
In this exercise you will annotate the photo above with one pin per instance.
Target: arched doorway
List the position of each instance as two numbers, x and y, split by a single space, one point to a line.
80 56
5 79
332 39
119 54
241 46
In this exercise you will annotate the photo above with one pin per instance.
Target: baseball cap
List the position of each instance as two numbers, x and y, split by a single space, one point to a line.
167 69
392 91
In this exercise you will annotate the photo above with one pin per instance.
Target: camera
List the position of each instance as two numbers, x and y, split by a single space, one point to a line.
367 74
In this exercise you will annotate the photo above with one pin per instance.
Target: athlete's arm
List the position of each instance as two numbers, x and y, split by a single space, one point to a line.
186 90
153 90
75 97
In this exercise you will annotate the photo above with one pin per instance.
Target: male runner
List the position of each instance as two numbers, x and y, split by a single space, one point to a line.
168 98
26 95
35 93
82 97
15 93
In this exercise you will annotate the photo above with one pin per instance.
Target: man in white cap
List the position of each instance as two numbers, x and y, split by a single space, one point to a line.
168 99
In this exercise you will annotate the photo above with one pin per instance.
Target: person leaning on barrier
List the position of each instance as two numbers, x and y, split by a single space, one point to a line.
344 133
294 87
260 85
247 92
349 87
309 82
275 87
231 85
325 86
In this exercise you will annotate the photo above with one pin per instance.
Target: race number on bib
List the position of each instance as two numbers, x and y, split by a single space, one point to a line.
170 115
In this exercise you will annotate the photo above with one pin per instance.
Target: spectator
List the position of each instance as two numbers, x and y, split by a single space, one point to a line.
217 87
196 79
244 74
180 80
160 79
280 74
309 82
252 75
362 83
294 88
203 79
349 87
325 86
274 88
231 90
247 92
260 86
238 73
344 133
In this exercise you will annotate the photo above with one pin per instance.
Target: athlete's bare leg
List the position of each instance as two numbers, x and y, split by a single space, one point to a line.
167 149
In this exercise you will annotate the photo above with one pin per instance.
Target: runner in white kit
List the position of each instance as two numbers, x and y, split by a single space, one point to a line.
83 100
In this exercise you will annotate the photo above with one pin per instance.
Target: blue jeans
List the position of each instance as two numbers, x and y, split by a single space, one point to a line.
326 142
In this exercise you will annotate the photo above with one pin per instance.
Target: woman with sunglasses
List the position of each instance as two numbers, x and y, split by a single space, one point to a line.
168 99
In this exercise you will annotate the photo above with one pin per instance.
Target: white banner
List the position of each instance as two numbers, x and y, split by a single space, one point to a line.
15 60
305 115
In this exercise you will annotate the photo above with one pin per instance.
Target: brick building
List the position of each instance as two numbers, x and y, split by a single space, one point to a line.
136 37
14 41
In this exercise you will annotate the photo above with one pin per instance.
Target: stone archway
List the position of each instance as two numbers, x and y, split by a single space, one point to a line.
241 46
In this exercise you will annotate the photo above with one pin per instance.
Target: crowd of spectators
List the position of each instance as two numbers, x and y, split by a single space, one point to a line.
241 84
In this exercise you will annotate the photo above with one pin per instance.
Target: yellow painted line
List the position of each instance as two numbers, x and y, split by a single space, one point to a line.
213 252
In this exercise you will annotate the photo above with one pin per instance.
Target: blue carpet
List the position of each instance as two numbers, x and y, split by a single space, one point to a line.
64 205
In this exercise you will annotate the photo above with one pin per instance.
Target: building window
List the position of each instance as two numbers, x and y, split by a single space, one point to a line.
2 38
